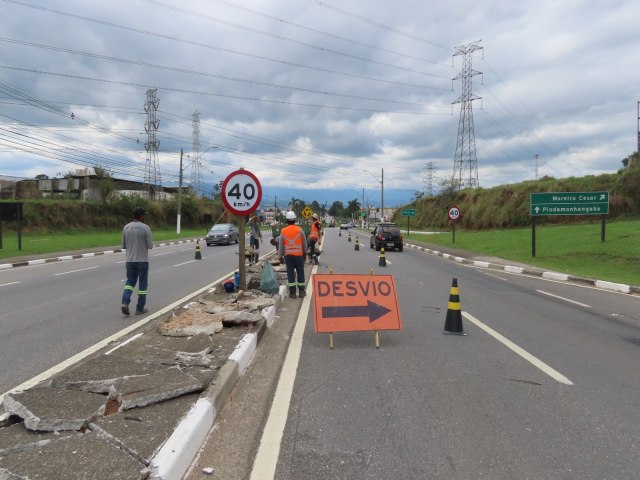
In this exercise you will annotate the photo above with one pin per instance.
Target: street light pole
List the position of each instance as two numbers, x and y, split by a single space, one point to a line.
179 195
382 195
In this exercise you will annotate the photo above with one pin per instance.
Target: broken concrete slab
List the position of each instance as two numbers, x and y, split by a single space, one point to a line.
142 431
164 385
16 438
76 457
230 319
55 409
191 322
98 374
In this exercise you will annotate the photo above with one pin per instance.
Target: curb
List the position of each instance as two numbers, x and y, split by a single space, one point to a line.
64 258
176 455
605 285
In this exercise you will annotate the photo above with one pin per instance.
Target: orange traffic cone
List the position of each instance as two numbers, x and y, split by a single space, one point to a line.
453 322
198 253
382 262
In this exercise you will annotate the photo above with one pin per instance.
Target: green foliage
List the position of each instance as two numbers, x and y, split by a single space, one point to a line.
508 205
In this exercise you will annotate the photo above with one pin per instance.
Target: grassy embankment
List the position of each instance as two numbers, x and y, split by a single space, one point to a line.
571 249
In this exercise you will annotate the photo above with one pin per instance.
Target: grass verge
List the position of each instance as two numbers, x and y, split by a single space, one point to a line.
571 249
50 243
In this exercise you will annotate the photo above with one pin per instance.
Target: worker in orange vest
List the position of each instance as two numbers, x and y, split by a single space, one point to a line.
293 245
314 237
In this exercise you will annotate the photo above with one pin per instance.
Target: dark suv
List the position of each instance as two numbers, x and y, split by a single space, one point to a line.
387 236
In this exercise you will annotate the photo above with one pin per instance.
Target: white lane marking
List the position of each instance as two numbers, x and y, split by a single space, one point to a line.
494 276
264 464
184 263
563 298
103 343
74 271
165 253
536 362
6 284
124 343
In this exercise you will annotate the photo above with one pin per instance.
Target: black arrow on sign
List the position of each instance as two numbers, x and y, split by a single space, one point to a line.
371 310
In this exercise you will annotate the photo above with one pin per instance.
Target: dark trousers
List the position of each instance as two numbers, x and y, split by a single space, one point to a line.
295 272
254 242
136 271
312 250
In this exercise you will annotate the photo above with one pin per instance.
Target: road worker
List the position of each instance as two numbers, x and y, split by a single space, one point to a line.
293 245
314 236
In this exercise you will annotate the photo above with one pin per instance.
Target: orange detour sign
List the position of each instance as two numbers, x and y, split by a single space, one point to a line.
348 303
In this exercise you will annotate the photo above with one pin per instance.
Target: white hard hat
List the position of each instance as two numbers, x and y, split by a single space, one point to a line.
315 215
290 215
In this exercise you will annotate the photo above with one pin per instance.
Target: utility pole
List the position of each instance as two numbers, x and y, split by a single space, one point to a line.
536 157
638 127
152 178
197 179
382 195
465 164
179 195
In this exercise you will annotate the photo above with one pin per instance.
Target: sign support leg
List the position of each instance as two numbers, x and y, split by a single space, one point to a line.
241 257
377 339
331 341
533 236
602 230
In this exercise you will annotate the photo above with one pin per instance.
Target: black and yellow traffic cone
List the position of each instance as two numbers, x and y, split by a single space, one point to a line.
340 232
349 239
198 252
357 246
382 262
453 322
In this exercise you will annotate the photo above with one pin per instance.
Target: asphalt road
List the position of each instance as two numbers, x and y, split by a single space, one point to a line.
545 385
53 311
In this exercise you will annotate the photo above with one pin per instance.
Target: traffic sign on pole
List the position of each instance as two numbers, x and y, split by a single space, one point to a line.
454 213
241 192
569 203
408 212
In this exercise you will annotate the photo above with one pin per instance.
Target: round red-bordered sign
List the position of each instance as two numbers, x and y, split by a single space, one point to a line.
241 192
454 213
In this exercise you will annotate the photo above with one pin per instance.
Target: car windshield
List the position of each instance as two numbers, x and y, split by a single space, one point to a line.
220 228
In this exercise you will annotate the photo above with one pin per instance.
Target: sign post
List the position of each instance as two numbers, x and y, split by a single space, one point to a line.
454 214
567 203
408 212
241 194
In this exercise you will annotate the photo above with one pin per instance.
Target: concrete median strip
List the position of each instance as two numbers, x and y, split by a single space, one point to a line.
141 411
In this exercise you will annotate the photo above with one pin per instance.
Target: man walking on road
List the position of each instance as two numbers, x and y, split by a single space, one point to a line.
293 245
314 236
137 241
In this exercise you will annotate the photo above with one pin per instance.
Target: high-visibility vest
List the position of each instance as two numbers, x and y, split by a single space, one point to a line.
291 237
314 234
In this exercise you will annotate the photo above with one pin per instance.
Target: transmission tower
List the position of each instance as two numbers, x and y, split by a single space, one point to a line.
197 179
152 180
465 164
429 178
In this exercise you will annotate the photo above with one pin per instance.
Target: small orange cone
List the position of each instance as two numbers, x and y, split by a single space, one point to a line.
198 252
382 261
453 322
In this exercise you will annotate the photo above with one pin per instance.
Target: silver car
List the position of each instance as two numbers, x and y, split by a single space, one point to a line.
222 234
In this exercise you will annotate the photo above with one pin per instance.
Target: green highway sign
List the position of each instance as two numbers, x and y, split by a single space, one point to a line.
569 203
408 212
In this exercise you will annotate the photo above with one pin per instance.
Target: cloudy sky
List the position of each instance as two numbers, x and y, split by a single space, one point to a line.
312 95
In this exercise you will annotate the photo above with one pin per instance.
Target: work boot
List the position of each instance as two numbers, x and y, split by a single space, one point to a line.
302 294
292 293
125 309
141 311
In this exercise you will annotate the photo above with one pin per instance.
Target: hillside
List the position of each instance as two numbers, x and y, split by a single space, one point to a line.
508 205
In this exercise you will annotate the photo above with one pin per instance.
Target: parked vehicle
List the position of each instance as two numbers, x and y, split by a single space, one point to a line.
387 236
222 233
345 226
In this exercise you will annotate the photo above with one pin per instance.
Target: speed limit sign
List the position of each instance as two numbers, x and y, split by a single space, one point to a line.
454 213
241 192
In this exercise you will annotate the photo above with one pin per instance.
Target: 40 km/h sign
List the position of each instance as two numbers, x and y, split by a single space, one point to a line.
454 213
241 192
350 302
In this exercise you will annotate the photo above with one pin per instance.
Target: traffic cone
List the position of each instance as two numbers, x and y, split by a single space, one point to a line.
349 239
357 246
198 253
340 232
453 322
382 262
